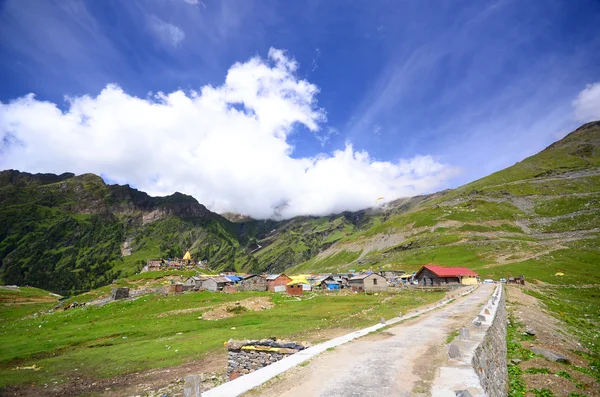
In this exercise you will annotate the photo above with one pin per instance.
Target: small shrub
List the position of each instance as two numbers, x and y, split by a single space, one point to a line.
237 309
538 371
542 392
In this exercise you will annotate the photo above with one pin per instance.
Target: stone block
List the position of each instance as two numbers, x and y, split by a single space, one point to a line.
463 393
453 352
550 355
191 386
120 293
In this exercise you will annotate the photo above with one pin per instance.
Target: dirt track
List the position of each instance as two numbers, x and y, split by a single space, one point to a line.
400 361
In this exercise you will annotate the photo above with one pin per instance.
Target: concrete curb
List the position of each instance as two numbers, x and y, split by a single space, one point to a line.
254 379
459 373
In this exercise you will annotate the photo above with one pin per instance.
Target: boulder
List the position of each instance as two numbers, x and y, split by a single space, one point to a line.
550 355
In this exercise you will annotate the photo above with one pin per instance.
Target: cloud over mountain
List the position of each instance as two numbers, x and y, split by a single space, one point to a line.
227 145
587 103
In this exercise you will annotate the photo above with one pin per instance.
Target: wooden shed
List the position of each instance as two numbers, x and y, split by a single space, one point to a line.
439 275
277 282
253 282
368 282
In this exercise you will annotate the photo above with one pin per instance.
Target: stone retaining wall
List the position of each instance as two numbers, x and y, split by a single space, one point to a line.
243 362
244 357
489 360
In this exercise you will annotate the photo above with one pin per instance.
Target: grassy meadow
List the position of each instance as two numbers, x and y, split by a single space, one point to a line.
155 331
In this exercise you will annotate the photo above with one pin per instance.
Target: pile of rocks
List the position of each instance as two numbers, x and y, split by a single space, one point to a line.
120 293
247 356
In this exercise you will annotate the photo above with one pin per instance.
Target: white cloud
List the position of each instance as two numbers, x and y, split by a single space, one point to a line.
168 34
587 103
377 129
227 145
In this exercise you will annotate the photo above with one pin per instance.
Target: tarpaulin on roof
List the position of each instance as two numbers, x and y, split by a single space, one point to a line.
298 280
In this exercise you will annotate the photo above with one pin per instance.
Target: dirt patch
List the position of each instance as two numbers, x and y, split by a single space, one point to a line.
183 311
156 382
232 309
553 335
425 368
319 335
547 380
559 386
375 336
550 332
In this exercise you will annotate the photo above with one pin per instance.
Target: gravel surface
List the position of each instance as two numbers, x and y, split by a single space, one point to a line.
400 361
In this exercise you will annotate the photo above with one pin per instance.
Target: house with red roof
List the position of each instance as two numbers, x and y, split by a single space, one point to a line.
439 275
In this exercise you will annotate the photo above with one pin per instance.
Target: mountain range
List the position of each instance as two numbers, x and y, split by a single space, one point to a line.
70 233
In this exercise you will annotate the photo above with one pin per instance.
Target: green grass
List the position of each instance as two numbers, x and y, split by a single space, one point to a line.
452 336
129 336
538 371
566 205
543 392
339 261
579 308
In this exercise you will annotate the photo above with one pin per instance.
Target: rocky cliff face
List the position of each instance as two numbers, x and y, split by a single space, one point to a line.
67 232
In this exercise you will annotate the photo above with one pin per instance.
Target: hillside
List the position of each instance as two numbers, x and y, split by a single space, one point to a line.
72 233
538 217
68 233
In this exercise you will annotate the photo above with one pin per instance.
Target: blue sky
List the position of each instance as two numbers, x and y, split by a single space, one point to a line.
476 86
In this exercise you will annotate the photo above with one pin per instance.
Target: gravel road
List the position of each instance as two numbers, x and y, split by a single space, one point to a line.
400 361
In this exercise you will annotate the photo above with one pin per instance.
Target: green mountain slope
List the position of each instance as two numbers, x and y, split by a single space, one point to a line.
68 233
538 217
71 233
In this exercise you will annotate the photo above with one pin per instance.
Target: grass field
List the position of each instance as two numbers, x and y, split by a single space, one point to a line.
129 336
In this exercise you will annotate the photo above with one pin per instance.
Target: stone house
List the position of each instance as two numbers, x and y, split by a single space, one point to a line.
438 275
368 282
193 282
216 283
277 282
153 265
253 282
391 275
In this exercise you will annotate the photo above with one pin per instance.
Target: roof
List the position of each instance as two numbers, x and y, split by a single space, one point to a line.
272 277
220 279
195 278
449 271
233 278
363 276
298 280
250 276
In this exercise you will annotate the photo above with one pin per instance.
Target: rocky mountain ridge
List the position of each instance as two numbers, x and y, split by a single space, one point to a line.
66 232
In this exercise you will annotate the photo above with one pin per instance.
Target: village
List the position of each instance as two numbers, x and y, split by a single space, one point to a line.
428 277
